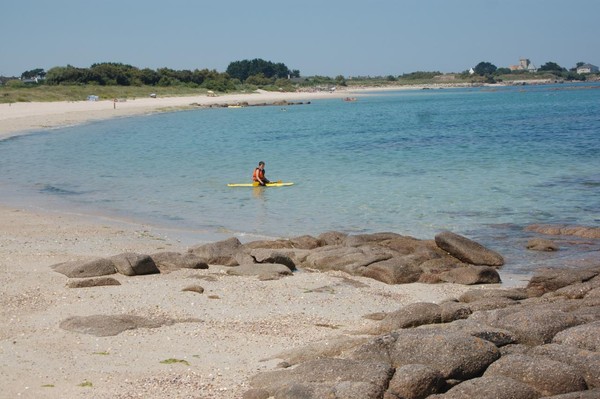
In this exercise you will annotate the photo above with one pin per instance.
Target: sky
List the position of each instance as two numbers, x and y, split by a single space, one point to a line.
324 37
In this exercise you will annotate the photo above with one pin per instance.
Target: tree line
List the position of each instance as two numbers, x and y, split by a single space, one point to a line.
257 71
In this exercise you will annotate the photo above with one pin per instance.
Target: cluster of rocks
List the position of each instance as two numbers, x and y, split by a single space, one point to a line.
387 257
281 103
533 342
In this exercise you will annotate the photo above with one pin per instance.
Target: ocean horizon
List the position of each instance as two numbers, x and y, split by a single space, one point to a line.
482 162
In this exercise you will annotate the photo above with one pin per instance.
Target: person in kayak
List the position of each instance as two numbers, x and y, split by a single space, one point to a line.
259 174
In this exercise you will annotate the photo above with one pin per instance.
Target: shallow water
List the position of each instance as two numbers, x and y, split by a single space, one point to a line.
480 162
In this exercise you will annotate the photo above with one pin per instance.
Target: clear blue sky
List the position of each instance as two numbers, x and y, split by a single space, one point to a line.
325 37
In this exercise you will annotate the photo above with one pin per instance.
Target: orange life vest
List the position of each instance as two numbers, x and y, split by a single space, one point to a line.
258 175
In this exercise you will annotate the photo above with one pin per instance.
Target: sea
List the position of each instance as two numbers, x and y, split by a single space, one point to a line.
483 162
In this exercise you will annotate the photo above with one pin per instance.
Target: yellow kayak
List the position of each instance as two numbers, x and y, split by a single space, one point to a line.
255 184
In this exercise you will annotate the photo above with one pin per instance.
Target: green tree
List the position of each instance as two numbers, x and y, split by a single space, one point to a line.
34 73
551 67
485 68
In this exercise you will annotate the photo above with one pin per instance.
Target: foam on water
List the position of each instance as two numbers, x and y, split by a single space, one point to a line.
474 161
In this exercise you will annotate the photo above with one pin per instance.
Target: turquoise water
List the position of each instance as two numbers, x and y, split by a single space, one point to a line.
476 161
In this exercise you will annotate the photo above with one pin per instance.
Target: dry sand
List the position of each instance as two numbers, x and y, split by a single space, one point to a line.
242 323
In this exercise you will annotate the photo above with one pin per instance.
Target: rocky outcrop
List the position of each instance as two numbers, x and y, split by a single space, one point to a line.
527 346
387 257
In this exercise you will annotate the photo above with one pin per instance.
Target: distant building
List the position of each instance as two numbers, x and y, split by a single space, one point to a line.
587 68
524 65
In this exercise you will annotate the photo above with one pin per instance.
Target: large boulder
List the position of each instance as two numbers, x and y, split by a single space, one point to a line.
412 315
587 363
586 336
396 270
323 378
132 264
86 268
455 356
547 376
479 294
415 381
498 336
227 252
551 279
497 387
349 259
471 275
467 250
171 261
532 325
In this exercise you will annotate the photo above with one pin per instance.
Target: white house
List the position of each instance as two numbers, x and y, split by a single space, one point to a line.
587 68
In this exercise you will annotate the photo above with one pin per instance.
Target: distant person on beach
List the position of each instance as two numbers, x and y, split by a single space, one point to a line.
259 174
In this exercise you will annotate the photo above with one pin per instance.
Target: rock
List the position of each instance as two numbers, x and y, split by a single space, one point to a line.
305 242
471 275
332 347
478 294
586 336
104 326
369 239
455 356
412 315
467 250
578 290
532 325
194 288
587 363
397 270
540 244
171 261
270 256
260 269
593 394
321 378
348 259
547 376
497 387
86 268
491 303
560 229
497 336
441 264
227 252
414 381
332 238
551 279
131 264
92 282
451 311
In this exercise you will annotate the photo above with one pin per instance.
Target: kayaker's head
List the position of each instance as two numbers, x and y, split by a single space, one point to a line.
261 164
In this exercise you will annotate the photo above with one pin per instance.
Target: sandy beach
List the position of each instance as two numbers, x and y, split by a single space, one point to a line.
243 322
18 118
